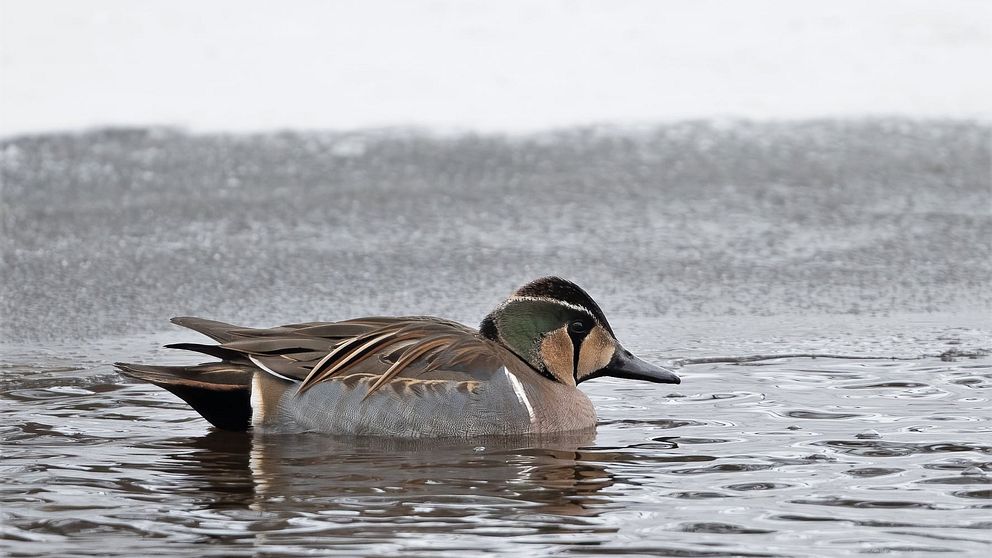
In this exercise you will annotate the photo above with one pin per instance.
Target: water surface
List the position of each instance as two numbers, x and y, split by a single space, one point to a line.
783 458
863 238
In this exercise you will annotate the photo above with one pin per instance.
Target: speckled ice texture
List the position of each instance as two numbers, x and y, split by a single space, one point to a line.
111 232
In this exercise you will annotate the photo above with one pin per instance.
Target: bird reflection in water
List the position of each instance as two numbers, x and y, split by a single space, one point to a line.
382 477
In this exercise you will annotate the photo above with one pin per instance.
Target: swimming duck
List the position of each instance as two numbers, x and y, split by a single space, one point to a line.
410 376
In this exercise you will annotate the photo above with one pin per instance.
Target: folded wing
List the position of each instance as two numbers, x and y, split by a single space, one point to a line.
391 348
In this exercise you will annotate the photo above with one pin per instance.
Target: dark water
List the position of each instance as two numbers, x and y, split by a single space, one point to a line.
867 238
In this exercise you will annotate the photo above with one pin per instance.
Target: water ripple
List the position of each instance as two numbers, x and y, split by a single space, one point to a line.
719 472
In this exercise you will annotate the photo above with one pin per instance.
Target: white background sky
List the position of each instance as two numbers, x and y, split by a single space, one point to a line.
510 66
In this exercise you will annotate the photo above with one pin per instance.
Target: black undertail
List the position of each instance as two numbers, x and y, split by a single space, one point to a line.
219 391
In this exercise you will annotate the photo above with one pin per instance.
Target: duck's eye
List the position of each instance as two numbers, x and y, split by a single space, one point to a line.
578 326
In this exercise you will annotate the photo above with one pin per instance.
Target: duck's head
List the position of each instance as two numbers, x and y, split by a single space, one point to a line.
559 330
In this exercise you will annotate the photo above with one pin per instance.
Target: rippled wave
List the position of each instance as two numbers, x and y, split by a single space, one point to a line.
824 458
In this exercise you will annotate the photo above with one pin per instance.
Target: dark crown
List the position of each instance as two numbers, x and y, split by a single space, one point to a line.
566 291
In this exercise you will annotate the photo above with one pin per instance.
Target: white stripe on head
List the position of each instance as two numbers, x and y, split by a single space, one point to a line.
575 307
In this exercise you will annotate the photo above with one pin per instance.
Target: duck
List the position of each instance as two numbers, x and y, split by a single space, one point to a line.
409 377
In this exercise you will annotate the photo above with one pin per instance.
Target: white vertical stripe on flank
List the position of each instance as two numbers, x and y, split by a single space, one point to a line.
518 389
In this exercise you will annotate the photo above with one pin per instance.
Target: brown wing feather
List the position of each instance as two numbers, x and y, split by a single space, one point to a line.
410 355
279 345
414 343
348 353
390 348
